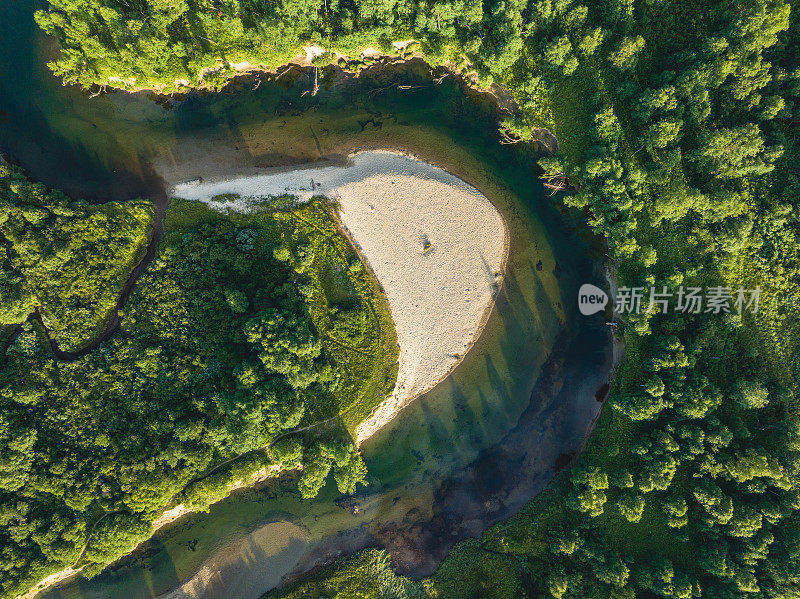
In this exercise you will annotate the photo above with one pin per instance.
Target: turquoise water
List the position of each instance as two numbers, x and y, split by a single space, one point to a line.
467 453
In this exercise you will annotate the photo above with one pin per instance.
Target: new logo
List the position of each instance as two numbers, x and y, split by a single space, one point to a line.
591 299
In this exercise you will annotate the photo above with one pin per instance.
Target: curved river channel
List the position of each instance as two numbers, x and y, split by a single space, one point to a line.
469 452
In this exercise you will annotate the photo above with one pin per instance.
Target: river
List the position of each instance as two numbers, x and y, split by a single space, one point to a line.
467 453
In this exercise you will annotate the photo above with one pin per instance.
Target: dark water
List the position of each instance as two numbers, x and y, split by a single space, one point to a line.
45 126
468 453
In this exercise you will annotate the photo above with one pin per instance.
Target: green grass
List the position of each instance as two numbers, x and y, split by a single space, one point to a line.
569 104
225 197
184 214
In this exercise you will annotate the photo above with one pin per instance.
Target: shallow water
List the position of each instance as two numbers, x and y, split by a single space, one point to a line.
466 454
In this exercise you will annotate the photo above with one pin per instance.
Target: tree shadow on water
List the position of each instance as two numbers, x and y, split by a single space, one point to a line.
497 383
150 569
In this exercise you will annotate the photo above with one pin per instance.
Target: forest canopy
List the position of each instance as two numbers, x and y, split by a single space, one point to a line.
242 330
65 260
176 44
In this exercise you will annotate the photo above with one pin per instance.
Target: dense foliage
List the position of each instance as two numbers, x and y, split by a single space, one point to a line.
678 132
174 44
66 259
241 330
367 574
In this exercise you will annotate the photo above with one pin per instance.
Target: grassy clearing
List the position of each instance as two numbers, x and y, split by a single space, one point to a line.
569 102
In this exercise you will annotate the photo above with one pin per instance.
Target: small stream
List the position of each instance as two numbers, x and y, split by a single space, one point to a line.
466 454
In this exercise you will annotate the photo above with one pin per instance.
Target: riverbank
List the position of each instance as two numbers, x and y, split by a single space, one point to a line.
214 77
317 59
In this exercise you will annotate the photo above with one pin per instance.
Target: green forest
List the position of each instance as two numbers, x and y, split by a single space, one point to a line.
65 261
678 132
251 344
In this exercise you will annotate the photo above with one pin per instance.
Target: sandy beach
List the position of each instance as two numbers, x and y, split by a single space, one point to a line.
435 243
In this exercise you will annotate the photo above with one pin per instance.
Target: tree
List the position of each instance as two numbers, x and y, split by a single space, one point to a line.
662 133
350 473
729 153
627 53
711 498
639 406
751 395
622 479
676 512
16 453
591 41
631 505
115 534
291 355
237 301
557 584
588 493
316 466
287 452
560 56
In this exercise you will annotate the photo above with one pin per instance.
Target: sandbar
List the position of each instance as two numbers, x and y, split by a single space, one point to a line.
435 243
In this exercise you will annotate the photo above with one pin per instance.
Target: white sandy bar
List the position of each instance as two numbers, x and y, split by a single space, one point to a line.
392 205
